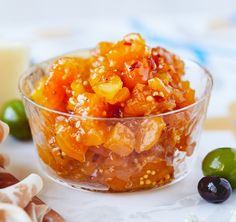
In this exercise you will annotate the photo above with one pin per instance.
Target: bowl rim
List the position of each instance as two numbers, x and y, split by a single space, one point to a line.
205 95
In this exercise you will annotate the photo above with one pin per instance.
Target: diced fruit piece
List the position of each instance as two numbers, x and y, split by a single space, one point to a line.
169 63
109 88
116 184
141 102
179 97
121 140
94 137
134 38
132 47
184 96
37 94
99 70
77 88
55 158
149 133
66 138
95 132
136 72
165 77
121 96
189 97
88 104
158 85
153 174
214 189
62 73
103 47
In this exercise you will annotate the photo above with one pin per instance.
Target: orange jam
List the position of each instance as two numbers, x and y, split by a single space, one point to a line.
113 137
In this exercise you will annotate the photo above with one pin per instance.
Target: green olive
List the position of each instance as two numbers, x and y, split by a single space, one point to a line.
13 114
221 162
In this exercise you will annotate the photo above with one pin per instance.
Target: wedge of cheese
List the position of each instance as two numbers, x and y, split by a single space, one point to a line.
14 60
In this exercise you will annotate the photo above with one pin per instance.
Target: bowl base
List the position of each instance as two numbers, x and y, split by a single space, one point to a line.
98 187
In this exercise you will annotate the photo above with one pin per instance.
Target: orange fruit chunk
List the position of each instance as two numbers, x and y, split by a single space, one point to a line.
77 88
109 88
116 184
66 139
103 47
62 73
121 96
37 94
148 133
88 104
132 47
95 132
153 174
141 102
136 71
189 94
157 84
121 140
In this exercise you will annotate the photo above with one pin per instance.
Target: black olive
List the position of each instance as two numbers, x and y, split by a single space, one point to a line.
214 189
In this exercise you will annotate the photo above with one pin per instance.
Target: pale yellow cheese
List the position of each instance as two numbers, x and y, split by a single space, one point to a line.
14 60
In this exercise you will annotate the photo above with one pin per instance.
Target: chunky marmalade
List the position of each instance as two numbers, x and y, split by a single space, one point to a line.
113 137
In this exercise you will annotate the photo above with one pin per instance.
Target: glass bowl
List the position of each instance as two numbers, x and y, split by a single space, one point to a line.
169 159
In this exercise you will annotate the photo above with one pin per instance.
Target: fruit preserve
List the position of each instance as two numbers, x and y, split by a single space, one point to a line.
121 117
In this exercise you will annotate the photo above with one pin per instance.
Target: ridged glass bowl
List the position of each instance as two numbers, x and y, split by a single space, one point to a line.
169 160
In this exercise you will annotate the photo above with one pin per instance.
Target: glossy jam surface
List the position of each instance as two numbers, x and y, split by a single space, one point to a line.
123 84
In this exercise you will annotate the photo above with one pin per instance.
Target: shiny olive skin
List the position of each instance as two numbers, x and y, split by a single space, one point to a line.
214 189
13 114
221 162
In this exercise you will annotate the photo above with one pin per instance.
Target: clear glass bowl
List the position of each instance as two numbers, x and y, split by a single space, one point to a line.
169 160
